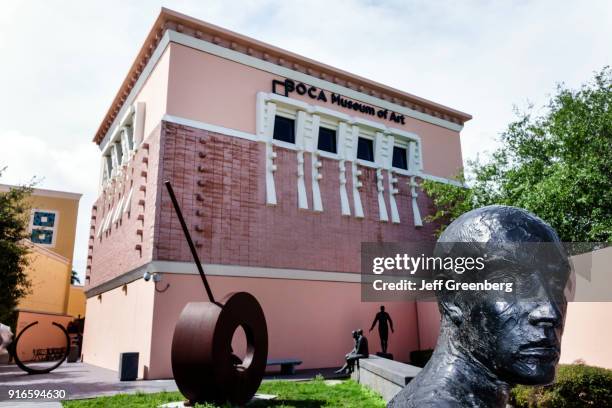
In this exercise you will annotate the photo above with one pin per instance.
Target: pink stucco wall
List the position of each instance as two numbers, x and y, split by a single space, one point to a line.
214 90
310 320
120 320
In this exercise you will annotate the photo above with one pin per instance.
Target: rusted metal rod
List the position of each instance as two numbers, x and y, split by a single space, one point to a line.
192 247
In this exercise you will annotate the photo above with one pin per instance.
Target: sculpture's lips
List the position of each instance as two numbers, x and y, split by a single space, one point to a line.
542 352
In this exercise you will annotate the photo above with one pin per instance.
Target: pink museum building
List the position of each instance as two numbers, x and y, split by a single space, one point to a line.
283 166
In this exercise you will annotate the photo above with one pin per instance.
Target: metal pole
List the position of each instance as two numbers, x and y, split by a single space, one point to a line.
194 253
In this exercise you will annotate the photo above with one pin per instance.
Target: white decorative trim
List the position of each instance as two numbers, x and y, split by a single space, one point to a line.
140 112
382 206
118 210
211 128
189 268
418 222
300 124
317 202
395 218
341 143
267 129
128 201
352 139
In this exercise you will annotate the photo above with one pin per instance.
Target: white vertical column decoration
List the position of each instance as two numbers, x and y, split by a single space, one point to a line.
139 123
342 136
415 167
114 160
299 144
266 113
352 138
125 145
395 218
317 203
381 156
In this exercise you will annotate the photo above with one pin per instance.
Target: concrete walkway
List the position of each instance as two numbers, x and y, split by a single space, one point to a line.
78 380
81 380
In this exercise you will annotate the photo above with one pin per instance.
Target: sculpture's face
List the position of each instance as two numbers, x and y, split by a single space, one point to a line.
518 335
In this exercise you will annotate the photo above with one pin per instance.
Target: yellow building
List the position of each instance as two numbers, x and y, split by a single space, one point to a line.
52 297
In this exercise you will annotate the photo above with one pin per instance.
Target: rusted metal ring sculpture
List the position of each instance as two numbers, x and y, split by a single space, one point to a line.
31 370
204 366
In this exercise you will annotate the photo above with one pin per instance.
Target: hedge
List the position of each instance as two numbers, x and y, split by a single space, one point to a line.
576 386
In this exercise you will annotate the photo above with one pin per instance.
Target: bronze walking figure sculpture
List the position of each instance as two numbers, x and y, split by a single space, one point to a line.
491 340
384 322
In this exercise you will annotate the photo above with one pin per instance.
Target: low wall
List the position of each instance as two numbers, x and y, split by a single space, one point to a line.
386 377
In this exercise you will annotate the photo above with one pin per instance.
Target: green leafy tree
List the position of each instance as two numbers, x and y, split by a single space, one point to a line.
14 220
74 278
557 165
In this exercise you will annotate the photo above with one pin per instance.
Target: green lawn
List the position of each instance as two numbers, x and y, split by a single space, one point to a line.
290 394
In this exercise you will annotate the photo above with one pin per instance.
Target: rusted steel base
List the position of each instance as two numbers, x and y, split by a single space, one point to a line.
204 367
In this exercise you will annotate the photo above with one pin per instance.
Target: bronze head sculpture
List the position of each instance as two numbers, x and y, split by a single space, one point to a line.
491 340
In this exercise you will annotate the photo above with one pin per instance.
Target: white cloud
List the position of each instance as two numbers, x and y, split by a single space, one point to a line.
63 61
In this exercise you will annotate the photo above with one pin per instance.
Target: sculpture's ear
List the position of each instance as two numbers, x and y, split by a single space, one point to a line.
453 312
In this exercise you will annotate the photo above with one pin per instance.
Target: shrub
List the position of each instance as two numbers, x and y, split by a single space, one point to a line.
576 386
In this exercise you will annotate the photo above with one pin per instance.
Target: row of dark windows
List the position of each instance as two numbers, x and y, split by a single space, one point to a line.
284 130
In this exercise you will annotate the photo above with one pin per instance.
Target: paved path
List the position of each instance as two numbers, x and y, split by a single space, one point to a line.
78 380
81 380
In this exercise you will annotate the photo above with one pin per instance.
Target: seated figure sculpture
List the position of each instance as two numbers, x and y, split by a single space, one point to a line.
489 340
360 350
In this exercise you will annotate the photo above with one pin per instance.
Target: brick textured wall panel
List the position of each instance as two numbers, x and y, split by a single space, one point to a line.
114 252
220 183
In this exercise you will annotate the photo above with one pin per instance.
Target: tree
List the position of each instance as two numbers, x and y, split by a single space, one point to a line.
14 221
74 278
557 165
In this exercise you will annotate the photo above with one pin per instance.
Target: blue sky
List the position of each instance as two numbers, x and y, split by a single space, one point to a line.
63 61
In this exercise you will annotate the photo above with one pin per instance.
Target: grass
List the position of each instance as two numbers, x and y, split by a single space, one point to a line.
290 394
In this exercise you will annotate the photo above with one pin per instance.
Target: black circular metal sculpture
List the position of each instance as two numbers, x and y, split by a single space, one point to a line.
204 366
31 370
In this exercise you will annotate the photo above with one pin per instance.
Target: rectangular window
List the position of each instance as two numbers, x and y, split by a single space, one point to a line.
365 149
43 227
42 236
284 129
400 157
327 140
43 219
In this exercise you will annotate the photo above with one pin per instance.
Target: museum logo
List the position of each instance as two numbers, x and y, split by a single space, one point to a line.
289 86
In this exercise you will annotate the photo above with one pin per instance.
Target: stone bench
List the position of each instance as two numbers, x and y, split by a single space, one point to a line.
387 377
287 364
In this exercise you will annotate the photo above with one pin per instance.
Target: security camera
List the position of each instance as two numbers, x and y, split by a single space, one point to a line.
157 277
146 276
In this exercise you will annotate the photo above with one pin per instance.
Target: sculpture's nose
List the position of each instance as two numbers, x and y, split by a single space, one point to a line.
546 314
